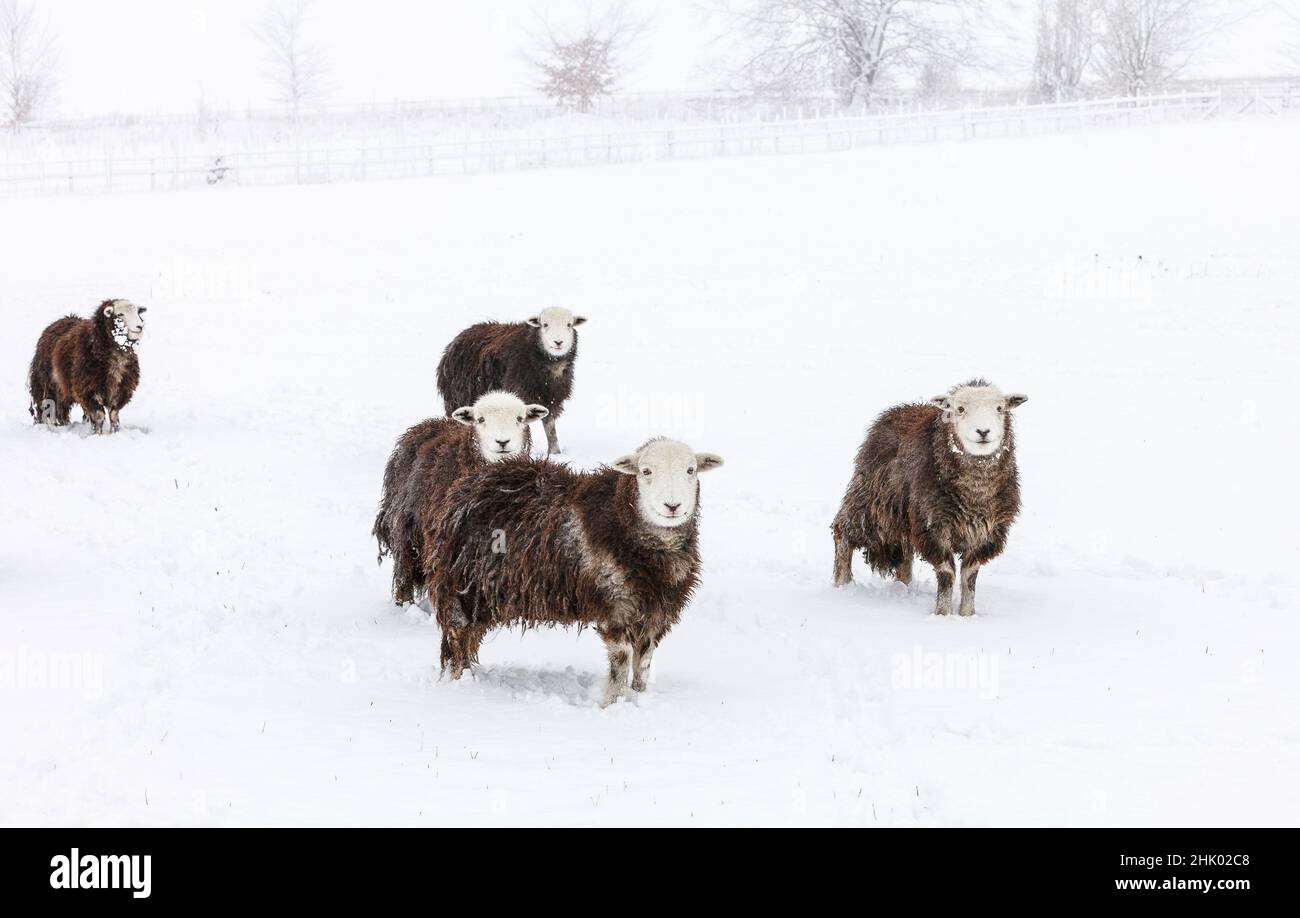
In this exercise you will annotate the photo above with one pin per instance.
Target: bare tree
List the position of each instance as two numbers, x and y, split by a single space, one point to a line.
1291 11
788 47
582 62
28 63
937 81
1066 37
1145 43
297 67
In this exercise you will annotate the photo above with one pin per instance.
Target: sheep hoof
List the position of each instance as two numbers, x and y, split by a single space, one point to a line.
613 694
638 685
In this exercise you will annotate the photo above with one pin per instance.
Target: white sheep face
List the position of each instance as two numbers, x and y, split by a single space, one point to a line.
499 420
666 475
555 330
978 416
128 316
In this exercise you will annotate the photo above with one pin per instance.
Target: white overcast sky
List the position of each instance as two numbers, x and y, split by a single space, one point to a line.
164 55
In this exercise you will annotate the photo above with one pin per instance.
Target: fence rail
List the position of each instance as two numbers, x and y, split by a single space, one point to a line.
357 163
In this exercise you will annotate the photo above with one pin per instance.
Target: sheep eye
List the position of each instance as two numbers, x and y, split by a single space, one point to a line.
690 471
519 420
645 472
961 410
999 409
482 420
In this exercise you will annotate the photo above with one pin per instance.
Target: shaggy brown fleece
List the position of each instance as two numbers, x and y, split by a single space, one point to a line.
915 491
528 542
426 461
506 356
79 361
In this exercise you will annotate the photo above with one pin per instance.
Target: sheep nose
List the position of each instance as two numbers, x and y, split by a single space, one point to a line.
672 508
984 434
503 443
559 344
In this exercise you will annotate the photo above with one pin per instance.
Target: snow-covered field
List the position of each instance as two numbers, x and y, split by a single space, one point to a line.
193 629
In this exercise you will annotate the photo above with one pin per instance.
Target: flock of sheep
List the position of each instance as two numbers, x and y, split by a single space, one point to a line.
495 537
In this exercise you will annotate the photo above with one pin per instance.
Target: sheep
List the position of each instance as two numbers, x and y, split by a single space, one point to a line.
533 359
937 480
428 458
90 362
529 542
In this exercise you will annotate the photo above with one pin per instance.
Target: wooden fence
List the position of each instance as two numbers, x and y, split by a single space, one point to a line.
501 154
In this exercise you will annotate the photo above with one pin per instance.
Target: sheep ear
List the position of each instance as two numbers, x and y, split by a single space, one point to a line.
464 415
941 401
108 310
1016 399
628 465
535 322
707 462
536 412
578 320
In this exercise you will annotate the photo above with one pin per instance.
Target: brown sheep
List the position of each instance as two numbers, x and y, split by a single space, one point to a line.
427 459
936 480
89 362
533 359
528 542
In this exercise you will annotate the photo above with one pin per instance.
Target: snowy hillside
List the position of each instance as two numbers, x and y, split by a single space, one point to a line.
202 587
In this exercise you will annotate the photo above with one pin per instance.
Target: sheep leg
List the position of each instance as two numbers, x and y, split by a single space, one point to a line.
96 415
618 645
114 426
969 571
904 570
452 658
943 573
403 588
843 562
460 640
945 567
940 557
552 442
405 565
643 652
460 649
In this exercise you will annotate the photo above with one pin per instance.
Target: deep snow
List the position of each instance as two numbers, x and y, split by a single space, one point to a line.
1134 657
